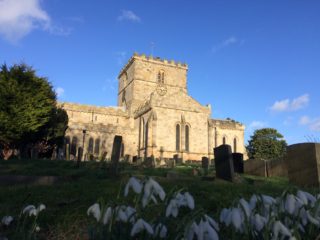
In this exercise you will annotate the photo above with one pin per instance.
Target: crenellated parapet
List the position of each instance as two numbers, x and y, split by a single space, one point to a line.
226 124
152 59
115 111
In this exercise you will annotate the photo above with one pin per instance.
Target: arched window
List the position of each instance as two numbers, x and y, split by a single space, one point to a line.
74 143
224 140
90 146
97 147
234 145
177 137
161 76
187 138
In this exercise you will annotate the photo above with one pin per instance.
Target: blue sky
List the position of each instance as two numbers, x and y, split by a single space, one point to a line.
257 62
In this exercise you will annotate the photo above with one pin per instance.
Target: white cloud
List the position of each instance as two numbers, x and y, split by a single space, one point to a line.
312 123
288 105
256 125
59 92
315 125
20 17
304 120
227 42
129 15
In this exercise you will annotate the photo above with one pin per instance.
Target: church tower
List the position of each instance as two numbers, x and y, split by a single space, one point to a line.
143 75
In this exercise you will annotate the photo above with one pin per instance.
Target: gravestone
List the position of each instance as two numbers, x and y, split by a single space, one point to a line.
149 162
223 162
126 158
303 163
67 151
171 163
134 159
104 156
205 163
80 153
237 162
115 156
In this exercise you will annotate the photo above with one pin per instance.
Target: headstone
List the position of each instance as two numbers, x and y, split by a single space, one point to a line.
303 163
104 156
134 159
54 153
223 162
171 163
205 163
237 162
149 162
67 151
61 154
80 153
115 156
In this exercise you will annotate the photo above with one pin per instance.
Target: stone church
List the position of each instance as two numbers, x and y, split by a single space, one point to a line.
155 116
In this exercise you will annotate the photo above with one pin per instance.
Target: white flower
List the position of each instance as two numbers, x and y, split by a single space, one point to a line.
130 212
172 208
107 216
31 210
95 211
246 207
225 216
152 187
6 220
161 230
290 204
121 215
258 222
268 200
312 219
37 228
194 229
209 233
236 219
141 225
190 200
305 197
212 222
135 184
279 228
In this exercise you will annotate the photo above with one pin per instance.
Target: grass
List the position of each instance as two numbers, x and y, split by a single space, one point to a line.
67 202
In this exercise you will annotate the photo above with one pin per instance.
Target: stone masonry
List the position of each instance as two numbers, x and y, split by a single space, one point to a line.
155 116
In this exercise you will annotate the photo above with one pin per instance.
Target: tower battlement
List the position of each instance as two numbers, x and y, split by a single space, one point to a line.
155 60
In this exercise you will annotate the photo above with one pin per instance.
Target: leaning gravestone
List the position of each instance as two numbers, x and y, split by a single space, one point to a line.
205 163
303 163
237 162
115 156
67 151
223 162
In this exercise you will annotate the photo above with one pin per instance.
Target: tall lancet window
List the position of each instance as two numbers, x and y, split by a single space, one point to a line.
177 137
224 140
234 145
187 138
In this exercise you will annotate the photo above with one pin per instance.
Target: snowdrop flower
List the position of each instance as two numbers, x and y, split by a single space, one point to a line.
208 232
313 220
237 219
303 216
305 197
6 220
161 231
258 222
135 184
225 216
246 207
189 199
268 200
290 204
107 216
253 201
37 229
212 222
152 187
31 210
139 226
130 212
95 211
172 208
121 215
194 229
279 228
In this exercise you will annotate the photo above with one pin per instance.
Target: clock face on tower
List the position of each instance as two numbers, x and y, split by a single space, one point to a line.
161 89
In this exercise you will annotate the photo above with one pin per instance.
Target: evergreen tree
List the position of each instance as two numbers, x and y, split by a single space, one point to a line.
28 111
266 144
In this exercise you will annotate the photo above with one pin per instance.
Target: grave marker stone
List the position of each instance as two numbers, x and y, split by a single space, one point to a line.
115 156
67 151
237 162
223 162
